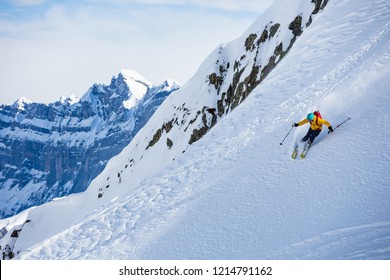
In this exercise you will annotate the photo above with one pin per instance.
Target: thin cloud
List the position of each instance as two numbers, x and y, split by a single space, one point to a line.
227 5
26 3
233 5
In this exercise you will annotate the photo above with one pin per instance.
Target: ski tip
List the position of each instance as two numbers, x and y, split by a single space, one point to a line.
295 153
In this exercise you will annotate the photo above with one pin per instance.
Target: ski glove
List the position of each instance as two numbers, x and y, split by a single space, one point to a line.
295 124
330 128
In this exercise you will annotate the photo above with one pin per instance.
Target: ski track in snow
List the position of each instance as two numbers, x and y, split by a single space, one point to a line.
173 214
373 243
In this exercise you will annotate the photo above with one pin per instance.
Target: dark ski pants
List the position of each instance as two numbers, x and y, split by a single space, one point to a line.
311 135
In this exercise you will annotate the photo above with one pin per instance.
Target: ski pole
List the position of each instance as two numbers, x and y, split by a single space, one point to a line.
281 143
340 124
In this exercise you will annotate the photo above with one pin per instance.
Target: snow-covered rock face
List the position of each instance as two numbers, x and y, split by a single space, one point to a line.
137 84
53 150
233 71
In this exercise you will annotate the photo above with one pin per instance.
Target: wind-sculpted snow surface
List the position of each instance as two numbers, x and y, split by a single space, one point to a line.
235 193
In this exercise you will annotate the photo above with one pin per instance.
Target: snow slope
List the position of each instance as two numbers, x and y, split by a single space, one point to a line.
236 193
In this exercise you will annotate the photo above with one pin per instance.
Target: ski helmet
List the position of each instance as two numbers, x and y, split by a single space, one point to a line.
310 117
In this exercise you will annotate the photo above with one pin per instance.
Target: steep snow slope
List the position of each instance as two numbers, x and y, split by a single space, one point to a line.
235 193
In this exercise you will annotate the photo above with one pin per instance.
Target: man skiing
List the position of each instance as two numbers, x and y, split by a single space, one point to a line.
316 123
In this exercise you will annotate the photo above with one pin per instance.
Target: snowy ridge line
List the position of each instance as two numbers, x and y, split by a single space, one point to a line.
327 84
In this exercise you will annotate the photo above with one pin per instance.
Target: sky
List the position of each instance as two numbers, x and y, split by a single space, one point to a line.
50 48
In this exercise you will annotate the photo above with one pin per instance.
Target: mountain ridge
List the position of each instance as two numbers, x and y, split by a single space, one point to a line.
48 150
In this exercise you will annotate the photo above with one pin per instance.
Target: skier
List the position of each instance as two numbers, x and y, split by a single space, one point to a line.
316 123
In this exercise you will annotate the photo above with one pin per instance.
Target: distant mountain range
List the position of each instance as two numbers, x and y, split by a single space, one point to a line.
53 150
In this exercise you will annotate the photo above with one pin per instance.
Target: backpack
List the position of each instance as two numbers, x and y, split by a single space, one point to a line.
318 115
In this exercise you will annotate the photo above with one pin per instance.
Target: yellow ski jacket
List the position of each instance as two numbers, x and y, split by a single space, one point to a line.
316 123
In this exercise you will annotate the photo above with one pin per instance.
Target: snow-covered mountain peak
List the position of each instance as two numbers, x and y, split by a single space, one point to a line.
72 99
171 84
129 74
128 87
137 84
21 103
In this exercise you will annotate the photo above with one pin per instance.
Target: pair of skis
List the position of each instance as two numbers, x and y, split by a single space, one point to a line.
304 152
